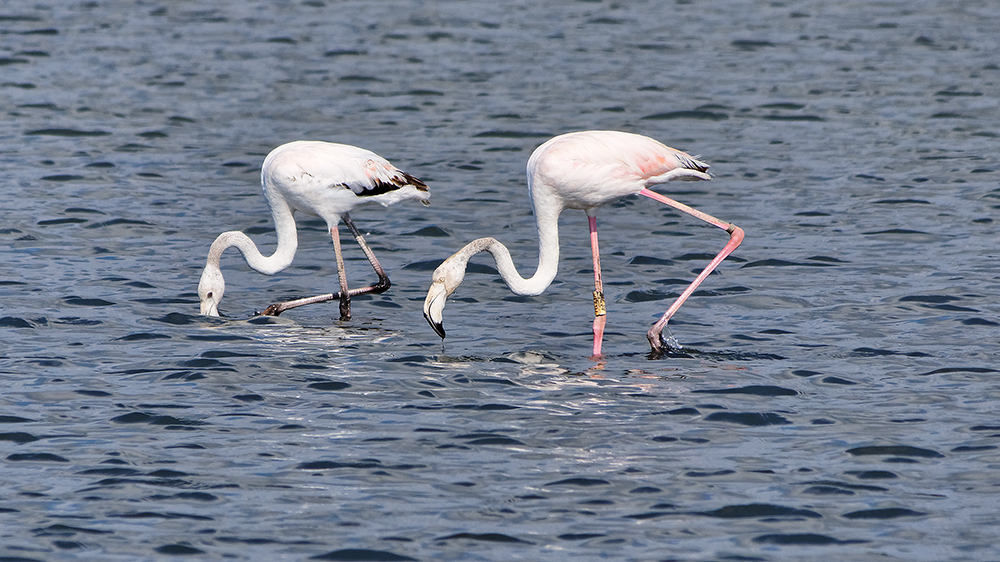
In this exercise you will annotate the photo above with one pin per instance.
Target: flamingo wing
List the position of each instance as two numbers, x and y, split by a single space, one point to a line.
377 176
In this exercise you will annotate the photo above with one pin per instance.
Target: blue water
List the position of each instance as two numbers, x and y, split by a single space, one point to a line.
835 398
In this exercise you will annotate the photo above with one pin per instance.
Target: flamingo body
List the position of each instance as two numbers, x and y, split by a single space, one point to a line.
588 169
582 170
326 179
318 178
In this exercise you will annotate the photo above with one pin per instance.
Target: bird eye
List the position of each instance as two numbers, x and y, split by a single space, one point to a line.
208 294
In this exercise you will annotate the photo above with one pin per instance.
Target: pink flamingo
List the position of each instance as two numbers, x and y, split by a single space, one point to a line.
584 170
318 178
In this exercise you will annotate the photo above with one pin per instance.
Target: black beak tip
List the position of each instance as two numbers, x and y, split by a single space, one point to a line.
439 329
436 326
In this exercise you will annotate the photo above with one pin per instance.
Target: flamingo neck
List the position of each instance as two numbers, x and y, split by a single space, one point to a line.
548 256
288 242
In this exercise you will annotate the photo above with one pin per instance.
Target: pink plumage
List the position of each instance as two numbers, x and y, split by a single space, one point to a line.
584 170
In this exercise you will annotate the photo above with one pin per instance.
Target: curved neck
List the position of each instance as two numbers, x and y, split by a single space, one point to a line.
548 256
284 224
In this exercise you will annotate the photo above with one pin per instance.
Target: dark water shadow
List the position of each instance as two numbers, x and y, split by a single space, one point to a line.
713 355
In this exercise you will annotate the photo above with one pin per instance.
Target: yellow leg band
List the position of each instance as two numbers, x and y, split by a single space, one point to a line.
599 309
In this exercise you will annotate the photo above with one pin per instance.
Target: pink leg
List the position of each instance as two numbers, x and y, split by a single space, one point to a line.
600 313
735 238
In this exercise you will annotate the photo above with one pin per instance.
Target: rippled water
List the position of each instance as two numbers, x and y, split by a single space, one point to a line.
836 398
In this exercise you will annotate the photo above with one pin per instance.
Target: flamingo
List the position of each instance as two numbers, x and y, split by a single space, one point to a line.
584 170
318 178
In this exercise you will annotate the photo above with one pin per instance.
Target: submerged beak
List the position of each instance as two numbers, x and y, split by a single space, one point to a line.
209 308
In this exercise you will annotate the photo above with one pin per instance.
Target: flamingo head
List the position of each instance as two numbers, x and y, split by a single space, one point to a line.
446 278
210 290
434 308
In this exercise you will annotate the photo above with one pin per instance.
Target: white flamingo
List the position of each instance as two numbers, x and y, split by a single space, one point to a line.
584 170
318 178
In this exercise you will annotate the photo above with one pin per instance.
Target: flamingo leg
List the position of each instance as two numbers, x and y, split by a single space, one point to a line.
600 312
654 335
383 283
345 294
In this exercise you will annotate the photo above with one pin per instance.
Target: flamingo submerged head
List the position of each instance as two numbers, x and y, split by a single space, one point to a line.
210 290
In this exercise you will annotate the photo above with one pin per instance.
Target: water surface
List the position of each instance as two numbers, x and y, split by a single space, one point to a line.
835 398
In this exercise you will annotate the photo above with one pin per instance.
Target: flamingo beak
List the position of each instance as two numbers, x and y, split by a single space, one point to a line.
437 326
434 307
209 308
